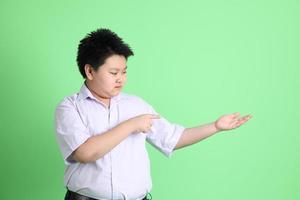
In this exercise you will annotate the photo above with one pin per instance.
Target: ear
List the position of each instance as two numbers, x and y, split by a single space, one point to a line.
88 71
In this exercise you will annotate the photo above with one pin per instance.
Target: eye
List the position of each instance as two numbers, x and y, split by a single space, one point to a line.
124 72
113 73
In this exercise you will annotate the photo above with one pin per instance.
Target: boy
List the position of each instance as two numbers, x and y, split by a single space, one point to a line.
101 131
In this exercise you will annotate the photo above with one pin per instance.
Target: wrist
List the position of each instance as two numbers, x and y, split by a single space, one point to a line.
215 127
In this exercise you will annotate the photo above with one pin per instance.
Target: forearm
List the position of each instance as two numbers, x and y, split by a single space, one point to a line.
97 146
193 135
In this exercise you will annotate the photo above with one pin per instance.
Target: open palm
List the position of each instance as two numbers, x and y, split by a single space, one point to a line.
231 121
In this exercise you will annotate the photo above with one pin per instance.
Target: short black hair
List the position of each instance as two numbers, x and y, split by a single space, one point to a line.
97 46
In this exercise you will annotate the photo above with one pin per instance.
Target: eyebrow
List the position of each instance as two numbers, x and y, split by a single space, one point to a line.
118 68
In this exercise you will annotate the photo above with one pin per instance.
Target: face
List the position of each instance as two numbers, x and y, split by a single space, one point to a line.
110 77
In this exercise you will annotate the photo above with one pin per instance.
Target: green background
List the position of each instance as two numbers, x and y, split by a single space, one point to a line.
194 61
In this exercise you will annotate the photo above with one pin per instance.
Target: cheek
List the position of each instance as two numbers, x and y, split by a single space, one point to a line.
111 82
105 81
125 78
108 78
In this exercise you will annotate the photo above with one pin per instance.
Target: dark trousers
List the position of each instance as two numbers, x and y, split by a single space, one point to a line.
75 196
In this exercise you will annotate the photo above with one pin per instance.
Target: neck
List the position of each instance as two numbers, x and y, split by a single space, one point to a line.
103 99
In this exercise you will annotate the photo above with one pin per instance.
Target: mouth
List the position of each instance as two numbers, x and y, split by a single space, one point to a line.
118 86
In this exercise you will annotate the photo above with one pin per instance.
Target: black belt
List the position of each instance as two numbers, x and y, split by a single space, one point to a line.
75 196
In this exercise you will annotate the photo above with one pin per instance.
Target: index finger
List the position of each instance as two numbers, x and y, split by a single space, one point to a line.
153 116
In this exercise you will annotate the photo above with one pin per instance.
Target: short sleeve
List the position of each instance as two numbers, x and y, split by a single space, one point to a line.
70 129
163 135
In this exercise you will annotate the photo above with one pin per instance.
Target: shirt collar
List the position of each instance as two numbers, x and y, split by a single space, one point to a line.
85 93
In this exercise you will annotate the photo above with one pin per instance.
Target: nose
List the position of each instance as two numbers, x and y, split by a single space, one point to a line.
119 80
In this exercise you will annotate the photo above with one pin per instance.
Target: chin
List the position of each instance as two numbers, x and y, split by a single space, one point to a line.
115 93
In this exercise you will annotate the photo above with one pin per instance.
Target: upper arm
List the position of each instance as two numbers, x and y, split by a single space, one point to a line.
71 132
